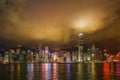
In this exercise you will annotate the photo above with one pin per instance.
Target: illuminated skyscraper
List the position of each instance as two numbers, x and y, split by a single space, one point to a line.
80 47
41 52
46 53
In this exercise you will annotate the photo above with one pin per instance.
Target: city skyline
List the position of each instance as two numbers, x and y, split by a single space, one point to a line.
58 23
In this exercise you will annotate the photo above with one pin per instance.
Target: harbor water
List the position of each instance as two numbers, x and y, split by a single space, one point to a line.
60 71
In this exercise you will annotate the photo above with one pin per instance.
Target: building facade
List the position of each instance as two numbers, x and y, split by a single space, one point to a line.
80 47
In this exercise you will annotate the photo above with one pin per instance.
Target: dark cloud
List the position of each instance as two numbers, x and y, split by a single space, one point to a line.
59 22
108 37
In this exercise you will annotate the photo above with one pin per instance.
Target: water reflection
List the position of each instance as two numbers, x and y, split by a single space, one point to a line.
106 71
30 70
46 71
113 70
93 71
11 71
37 71
55 71
68 71
118 70
18 71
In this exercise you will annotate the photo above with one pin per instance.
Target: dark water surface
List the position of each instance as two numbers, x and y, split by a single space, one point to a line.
57 71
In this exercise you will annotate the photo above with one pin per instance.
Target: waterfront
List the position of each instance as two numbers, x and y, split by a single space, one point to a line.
60 71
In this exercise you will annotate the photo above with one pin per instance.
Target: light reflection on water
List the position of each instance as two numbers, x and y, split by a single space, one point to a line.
11 71
68 71
18 71
106 71
92 68
118 70
30 70
55 71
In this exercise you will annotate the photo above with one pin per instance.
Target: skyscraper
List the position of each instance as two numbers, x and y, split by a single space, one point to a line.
46 53
80 47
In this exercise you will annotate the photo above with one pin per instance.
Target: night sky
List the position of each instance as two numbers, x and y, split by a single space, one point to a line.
58 22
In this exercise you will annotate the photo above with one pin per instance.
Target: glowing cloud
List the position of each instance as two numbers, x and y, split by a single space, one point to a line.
89 21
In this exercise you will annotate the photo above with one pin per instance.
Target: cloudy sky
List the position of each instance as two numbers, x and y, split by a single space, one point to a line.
58 22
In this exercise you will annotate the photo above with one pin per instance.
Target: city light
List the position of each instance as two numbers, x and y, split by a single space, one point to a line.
59 39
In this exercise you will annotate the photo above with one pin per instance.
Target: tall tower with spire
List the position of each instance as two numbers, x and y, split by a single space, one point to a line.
80 47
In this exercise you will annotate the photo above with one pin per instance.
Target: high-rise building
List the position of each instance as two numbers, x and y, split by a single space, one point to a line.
80 47
46 53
